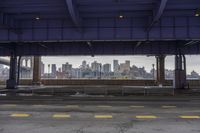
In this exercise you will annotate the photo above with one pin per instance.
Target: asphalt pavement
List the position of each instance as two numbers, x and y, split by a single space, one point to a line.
82 115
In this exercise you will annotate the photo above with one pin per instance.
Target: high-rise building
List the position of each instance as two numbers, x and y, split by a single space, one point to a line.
60 74
84 65
115 65
127 62
95 66
125 67
76 73
66 67
42 68
53 70
59 69
107 68
67 70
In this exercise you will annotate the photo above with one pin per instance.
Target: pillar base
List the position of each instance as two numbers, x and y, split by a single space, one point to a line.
180 80
11 84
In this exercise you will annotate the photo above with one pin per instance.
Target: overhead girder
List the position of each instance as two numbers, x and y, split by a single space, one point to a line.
100 48
74 13
8 22
159 11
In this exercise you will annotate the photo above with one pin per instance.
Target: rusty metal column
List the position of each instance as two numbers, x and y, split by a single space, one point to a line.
180 72
11 83
160 61
37 70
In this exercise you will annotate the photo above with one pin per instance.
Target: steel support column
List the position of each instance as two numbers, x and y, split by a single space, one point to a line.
160 62
18 70
37 70
12 81
180 71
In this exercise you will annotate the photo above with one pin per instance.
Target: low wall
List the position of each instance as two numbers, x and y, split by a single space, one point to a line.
57 82
2 82
193 83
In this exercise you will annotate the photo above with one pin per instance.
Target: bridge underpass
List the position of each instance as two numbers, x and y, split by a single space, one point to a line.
118 48
100 27
127 28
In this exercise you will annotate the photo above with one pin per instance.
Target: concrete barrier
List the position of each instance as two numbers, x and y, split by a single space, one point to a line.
61 82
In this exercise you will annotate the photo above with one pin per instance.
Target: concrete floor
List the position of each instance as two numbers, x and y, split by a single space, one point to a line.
158 116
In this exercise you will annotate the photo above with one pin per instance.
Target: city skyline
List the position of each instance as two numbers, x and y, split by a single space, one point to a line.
95 70
116 69
76 61
193 61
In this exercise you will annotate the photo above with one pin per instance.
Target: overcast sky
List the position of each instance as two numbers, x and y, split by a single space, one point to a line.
193 62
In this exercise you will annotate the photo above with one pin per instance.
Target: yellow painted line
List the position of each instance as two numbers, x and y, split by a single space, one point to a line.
104 106
72 106
20 115
146 117
103 116
10 105
61 116
168 106
133 106
189 117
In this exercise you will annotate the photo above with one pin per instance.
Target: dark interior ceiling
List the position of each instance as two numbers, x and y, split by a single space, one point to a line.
58 22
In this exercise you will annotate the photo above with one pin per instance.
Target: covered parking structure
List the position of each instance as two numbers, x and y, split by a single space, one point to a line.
100 27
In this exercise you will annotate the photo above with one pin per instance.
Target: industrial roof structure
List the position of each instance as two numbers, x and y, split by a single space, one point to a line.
74 27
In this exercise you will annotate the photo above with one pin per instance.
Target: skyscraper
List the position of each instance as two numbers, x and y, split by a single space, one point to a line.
95 66
42 68
84 65
106 68
66 68
128 64
53 70
125 66
115 65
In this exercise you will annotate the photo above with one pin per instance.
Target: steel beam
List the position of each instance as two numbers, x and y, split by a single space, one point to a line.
159 11
170 28
191 43
8 23
100 48
74 13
